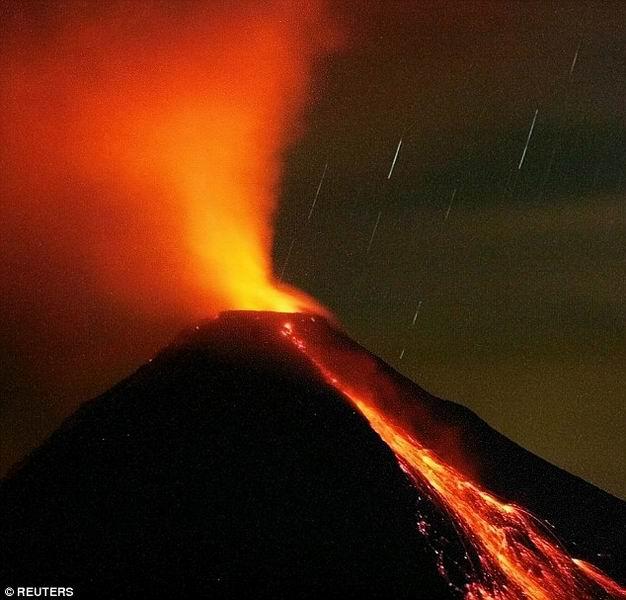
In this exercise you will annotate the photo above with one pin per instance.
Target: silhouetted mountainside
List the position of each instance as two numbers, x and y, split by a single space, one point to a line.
227 466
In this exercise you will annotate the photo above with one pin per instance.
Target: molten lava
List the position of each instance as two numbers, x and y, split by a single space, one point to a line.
516 556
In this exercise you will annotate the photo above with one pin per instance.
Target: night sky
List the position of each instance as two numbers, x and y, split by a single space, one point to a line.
515 267
522 286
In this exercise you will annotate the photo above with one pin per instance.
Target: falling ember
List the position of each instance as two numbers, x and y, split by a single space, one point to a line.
395 158
517 558
530 134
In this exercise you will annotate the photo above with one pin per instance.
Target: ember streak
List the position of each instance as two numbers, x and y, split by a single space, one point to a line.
517 556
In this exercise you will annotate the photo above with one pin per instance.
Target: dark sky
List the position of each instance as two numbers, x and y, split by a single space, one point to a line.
521 286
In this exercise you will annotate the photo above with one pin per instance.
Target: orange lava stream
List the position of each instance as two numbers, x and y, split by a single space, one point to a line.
518 559
601 579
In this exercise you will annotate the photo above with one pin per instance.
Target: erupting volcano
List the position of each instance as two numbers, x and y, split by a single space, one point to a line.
233 462
263 451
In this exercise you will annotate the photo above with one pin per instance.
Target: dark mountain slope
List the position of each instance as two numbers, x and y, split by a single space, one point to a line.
589 522
227 466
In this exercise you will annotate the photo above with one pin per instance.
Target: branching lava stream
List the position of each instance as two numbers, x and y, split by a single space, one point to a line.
518 558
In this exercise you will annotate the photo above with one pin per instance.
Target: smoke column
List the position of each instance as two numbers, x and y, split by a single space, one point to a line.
139 165
157 131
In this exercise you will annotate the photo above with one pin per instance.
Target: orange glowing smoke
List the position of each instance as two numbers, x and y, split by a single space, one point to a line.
147 138
518 558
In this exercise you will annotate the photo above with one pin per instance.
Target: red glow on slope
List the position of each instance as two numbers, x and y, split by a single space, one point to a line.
518 559
601 579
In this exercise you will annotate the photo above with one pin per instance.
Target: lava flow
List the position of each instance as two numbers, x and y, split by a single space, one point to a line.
516 557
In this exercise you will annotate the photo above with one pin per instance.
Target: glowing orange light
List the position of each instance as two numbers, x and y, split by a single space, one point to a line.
610 586
518 559
153 137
